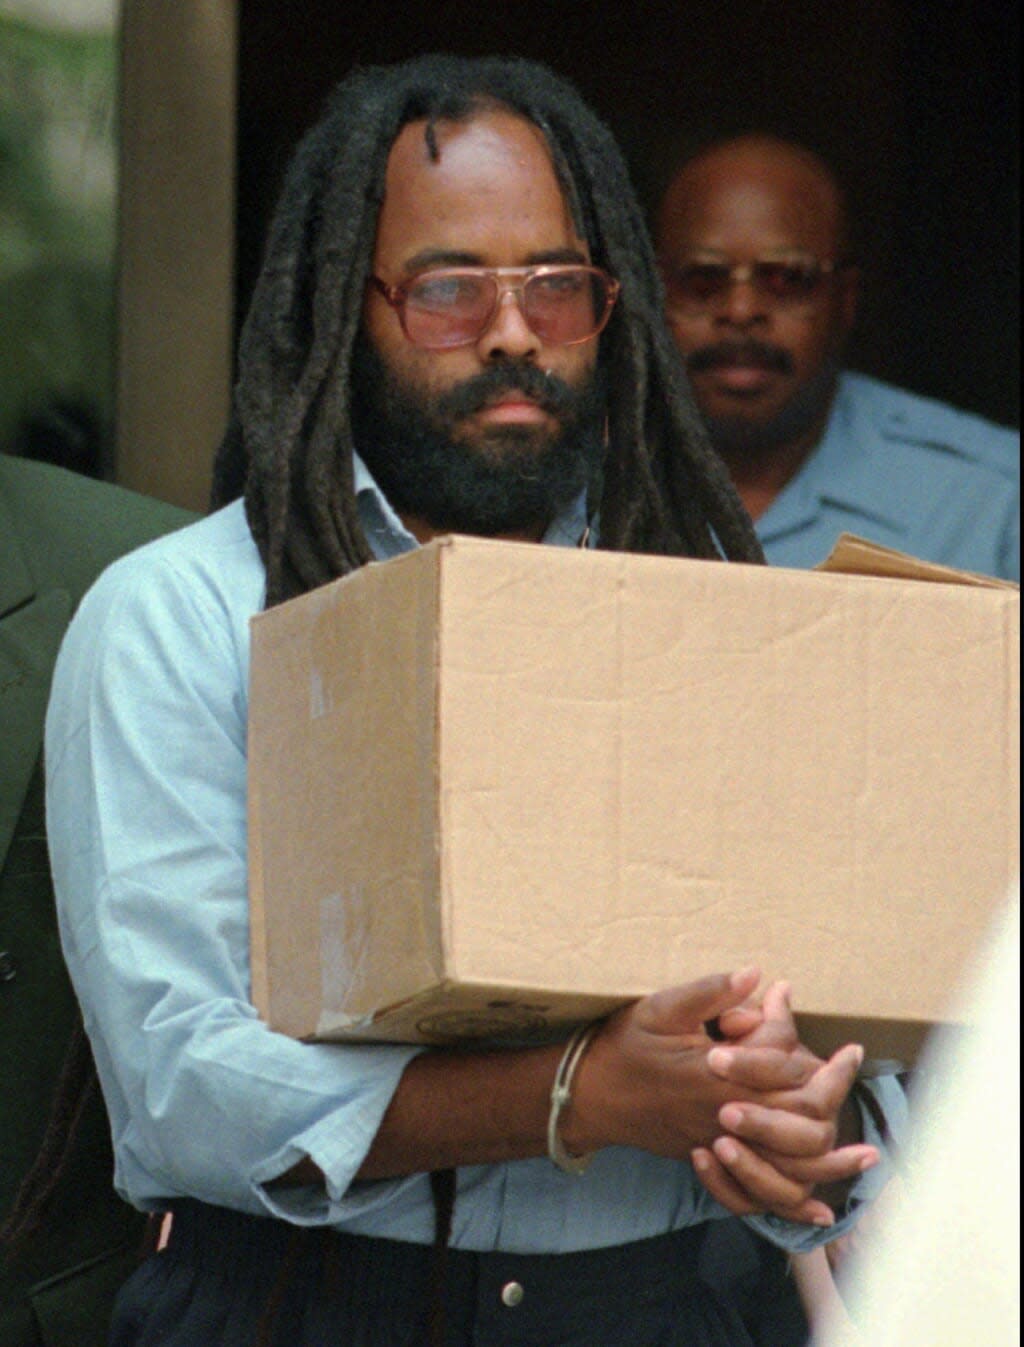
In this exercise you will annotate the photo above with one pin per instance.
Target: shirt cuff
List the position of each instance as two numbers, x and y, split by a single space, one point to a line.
891 1105
337 1144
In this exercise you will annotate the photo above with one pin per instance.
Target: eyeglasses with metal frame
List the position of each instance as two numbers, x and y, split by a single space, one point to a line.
783 282
447 307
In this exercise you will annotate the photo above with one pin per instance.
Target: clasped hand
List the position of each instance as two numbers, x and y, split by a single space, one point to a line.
758 1114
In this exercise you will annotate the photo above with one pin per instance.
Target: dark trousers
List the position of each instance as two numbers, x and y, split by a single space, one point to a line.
754 1277
229 1280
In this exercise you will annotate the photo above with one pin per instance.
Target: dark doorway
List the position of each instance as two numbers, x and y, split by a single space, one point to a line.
915 104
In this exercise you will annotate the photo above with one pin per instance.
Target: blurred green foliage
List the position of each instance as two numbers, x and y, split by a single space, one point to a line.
58 105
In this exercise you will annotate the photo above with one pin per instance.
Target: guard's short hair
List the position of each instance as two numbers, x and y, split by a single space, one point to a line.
289 442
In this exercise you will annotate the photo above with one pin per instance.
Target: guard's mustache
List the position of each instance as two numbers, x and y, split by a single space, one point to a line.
740 353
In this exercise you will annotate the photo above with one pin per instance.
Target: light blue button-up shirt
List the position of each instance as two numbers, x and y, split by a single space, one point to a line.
146 766
908 472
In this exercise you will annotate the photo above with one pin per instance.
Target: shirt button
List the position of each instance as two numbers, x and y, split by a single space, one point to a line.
512 1294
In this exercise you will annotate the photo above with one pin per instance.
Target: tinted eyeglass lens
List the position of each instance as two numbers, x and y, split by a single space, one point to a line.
787 281
448 308
783 282
699 282
565 306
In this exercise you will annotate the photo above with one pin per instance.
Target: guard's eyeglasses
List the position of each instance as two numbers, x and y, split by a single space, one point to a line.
454 306
785 283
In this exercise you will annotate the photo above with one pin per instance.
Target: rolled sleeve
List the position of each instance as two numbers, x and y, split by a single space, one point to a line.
146 769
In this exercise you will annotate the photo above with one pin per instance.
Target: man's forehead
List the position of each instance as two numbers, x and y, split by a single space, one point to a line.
471 174
757 184
770 163
444 143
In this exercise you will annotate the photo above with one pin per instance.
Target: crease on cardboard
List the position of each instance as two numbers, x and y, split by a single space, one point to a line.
344 949
337 1024
319 700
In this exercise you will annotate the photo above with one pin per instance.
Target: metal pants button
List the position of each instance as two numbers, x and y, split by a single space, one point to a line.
512 1294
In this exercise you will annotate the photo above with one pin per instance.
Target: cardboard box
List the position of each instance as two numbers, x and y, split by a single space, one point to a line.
498 788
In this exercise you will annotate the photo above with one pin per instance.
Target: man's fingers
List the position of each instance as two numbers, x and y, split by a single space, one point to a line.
764 1069
757 1176
799 1147
716 1179
778 1029
778 1130
741 1021
826 1090
794 1081
726 1189
685 1009
776 1004
833 1081
838 1166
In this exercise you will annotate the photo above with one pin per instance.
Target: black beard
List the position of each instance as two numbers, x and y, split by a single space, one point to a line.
509 479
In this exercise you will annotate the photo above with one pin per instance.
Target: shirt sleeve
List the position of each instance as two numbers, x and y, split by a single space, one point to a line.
146 802
146 767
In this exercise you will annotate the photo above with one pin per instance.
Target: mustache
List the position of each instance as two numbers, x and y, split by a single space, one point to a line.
747 352
548 391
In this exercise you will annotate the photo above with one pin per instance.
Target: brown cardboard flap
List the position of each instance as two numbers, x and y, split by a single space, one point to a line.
853 555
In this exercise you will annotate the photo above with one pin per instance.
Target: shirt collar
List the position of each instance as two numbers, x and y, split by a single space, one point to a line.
388 536
836 473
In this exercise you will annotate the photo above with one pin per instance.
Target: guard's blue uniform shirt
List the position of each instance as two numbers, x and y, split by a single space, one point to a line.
908 472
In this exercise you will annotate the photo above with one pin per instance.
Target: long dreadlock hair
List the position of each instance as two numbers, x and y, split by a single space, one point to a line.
288 447
289 443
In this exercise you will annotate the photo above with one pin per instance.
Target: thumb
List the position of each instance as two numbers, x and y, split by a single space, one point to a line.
684 1009
777 1003
834 1079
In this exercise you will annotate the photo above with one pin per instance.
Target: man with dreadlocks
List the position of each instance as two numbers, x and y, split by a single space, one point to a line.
457 327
